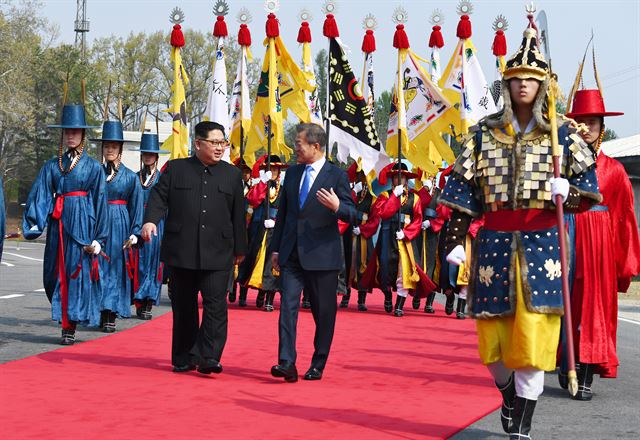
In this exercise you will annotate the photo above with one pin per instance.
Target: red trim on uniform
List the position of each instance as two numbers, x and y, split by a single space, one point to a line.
117 202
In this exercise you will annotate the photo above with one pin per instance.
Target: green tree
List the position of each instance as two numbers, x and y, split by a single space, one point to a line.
383 106
320 68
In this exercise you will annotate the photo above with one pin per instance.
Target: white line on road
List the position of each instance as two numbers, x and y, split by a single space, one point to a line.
7 264
39 290
22 256
630 321
15 295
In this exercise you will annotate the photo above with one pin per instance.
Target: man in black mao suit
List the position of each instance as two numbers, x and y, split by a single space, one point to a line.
204 235
306 248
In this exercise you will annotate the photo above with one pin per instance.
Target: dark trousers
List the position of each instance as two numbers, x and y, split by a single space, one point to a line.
195 343
320 286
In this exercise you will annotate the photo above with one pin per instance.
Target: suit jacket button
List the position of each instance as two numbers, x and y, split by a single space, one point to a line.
205 196
202 226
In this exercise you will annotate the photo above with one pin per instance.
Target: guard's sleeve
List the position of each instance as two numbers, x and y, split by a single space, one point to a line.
461 192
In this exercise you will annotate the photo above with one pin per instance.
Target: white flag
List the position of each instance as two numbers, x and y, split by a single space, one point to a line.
311 97
465 84
367 82
435 65
240 110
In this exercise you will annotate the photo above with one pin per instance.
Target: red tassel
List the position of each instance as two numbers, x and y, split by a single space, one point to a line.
244 36
177 39
273 28
304 34
436 40
220 28
400 39
499 44
330 27
464 27
369 42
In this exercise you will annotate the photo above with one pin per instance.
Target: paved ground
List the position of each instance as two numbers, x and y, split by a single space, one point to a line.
25 330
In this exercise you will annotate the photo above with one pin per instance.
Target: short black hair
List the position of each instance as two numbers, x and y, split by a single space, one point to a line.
313 133
203 128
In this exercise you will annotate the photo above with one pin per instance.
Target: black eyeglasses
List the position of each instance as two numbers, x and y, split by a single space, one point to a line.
223 143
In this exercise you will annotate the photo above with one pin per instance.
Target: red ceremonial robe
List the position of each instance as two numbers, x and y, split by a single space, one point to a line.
607 257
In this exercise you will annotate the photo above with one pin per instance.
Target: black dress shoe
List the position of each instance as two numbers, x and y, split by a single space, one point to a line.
306 304
286 370
313 374
183 368
210 368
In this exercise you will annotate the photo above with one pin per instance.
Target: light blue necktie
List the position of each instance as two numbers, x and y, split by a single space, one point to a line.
306 185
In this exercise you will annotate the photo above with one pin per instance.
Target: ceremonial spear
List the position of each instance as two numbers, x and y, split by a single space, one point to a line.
400 42
329 30
562 239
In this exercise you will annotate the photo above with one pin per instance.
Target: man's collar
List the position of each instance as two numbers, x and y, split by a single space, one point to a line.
318 164
530 126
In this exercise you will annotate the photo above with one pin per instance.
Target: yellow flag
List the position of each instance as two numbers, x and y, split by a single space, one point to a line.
240 112
178 142
272 102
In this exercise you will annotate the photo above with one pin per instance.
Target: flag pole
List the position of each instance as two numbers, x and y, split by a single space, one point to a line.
400 42
329 30
244 40
553 91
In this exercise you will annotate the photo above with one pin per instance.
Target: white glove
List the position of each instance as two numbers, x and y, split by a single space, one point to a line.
559 186
133 239
429 184
269 223
398 190
400 235
265 176
96 247
457 256
356 230
357 187
255 181
426 225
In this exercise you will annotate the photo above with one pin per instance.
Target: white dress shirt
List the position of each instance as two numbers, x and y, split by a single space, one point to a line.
315 170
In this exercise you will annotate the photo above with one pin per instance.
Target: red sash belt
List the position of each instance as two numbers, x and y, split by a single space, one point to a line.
520 220
62 273
132 257
117 202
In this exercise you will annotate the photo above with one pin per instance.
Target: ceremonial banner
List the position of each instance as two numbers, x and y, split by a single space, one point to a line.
464 84
310 96
288 94
240 106
352 124
422 113
218 102
368 92
178 142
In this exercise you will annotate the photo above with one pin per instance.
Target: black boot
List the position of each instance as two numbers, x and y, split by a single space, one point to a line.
415 303
104 318
362 298
585 379
462 303
521 419
268 305
306 304
146 314
68 337
260 299
563 379
242 301
448 306
428 307
233 293
110 322
140 306
508 392
345 300
399 305
388 301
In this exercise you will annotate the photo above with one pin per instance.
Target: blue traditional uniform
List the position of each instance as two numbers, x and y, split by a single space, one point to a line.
150 269
69 199
125 206
515 288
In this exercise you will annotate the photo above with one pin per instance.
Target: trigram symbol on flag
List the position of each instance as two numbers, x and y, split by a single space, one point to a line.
338 77
350 108
338 95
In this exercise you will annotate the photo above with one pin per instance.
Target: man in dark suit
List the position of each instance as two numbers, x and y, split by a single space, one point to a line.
306 248
204 235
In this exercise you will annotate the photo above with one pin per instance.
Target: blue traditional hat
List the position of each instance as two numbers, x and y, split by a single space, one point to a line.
73 117
111 131
149 143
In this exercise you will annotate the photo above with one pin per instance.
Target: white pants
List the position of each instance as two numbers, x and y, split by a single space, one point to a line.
402 291
529 381
463 292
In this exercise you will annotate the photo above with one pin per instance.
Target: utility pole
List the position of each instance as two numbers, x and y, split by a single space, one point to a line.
81 27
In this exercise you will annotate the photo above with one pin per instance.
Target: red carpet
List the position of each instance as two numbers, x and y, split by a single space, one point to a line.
387 378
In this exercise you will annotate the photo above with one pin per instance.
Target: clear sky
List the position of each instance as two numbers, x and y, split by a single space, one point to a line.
616 24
